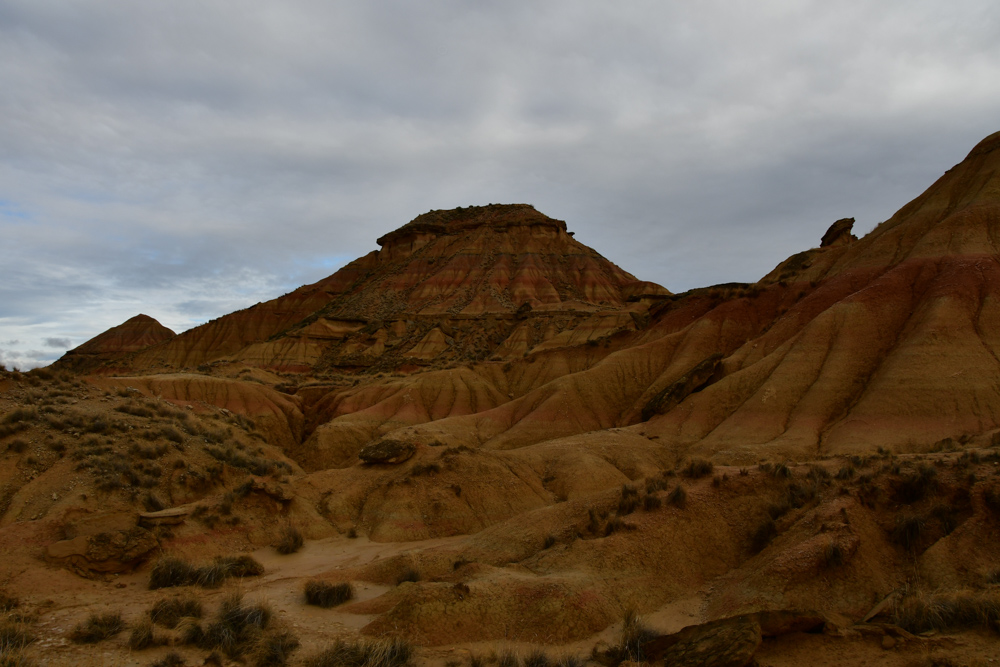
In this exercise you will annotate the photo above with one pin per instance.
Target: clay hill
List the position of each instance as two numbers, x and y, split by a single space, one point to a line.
484 442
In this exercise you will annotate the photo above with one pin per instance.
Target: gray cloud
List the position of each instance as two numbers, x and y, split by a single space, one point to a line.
63 343
186 159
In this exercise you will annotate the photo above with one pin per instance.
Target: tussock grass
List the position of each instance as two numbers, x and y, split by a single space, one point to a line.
678 497
273 648
172 659
920 612
629 500
290 540
915 486
169 611
237 626
327 594
142 635
171 571
537 658
766 531
98 627
363 653
907 531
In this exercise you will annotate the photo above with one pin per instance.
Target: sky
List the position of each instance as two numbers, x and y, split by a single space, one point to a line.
185 159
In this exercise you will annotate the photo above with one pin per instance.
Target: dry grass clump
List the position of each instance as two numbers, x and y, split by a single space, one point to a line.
273 648
171 571
238 627
678 497
920 612
363 653
537 658
907 531
327 594
697 468
629 500
8 602
833 554
14 638
172 659
634 634
290 540
98 627
169 611
143 636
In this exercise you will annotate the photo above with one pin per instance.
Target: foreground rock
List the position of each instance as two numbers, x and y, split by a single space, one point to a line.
104 553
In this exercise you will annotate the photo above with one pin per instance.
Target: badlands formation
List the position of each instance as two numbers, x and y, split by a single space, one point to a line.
484 443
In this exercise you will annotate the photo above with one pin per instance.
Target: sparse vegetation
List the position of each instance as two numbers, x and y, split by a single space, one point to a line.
273 648
920 612
142 635
678 497
237 626
766 531
363 653
629 500
97 628
289 541
172 659
698 468
171 571
915 486
907 531
633 635
169 611
651 502
327 594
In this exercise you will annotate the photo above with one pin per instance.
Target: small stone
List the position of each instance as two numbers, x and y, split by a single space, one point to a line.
888 642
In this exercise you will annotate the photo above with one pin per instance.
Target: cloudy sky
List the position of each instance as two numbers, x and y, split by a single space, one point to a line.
188 158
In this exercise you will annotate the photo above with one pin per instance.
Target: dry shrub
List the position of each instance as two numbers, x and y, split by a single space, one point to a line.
363 653
290 540
172 659
629 500
169 611
634 634
237 626
678 497
697 468
916 486
273 648
171 571
920 612
907 531
98 627
651 502
143 636
537 658
327 594
8 602
833 554
766 531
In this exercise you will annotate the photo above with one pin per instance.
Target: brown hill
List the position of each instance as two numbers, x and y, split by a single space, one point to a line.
449 286
134 334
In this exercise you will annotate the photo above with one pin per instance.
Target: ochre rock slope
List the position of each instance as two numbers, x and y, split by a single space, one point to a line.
133 335
448 286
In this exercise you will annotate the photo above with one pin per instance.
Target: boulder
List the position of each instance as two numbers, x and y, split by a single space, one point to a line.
730 642
104 553
387 451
